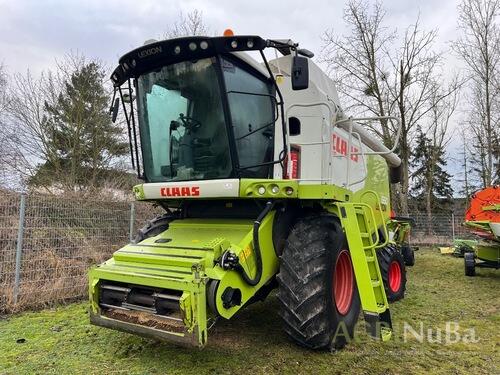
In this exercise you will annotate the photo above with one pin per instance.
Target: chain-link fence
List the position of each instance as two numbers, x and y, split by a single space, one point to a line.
47 244
438 229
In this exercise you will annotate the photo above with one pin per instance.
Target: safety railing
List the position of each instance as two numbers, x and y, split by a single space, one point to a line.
361 138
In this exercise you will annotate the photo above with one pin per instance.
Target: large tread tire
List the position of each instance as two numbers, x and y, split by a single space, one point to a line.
153 228
391 263
306 293
470 264
408 255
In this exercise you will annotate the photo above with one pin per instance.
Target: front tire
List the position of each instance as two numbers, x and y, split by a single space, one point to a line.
470 264
319 299
393 272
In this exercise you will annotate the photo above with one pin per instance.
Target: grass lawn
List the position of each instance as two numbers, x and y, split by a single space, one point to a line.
61 341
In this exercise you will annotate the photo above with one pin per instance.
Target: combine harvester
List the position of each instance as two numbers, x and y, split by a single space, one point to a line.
265 184
483 219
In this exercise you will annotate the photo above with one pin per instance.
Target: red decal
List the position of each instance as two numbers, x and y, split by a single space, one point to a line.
182 191
343 147
339 146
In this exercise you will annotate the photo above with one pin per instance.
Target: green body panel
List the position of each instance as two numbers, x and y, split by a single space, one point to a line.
182 258
244 250
488 251
377 178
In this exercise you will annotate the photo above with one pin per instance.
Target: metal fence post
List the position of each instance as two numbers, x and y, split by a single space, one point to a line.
453 226
132 221
19 245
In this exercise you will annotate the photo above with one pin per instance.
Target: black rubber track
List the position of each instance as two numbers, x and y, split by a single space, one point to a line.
385 257
305 285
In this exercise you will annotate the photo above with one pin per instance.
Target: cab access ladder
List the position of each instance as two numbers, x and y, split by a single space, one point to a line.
359 224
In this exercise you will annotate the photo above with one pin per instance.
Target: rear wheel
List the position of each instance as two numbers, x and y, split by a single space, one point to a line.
317 287
470 264
393 272
408 255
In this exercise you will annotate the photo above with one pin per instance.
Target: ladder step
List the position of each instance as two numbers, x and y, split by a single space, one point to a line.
375 283
370 259
365 235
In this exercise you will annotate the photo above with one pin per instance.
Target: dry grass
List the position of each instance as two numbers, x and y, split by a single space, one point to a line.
62 239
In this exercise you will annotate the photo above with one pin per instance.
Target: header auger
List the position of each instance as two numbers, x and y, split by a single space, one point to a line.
266 184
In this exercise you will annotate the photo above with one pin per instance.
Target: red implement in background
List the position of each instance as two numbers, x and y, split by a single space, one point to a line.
482 203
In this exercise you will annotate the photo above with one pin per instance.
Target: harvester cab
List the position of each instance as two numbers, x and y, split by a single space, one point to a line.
265 184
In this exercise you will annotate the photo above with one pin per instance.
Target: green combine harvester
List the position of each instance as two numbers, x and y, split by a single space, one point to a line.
265 184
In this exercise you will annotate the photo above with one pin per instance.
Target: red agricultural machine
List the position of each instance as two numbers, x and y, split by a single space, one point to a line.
483 219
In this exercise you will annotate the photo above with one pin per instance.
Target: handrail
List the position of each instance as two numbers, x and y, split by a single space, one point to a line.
377 202
370 210
353 129
396 138
365 170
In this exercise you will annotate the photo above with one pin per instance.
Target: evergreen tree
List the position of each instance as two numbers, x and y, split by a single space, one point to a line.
431 183
82 140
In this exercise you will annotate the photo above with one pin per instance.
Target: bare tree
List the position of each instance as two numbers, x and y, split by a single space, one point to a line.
438 132
417 92
190 24
5 154
357 62
479 47
380 79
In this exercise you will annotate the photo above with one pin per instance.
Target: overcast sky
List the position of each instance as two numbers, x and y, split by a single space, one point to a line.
35 33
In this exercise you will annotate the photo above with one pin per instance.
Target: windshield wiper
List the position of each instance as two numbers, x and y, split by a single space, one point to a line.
254 131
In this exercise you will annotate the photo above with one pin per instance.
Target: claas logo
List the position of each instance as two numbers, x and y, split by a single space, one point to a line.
340 147
181 191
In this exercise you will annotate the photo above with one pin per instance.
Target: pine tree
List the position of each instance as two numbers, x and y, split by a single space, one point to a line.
83 141
431 183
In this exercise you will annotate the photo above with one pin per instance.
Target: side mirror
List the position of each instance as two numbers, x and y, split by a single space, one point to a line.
114 109
300 73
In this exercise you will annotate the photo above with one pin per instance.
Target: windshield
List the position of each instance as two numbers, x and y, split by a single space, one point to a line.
182 125
252 108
